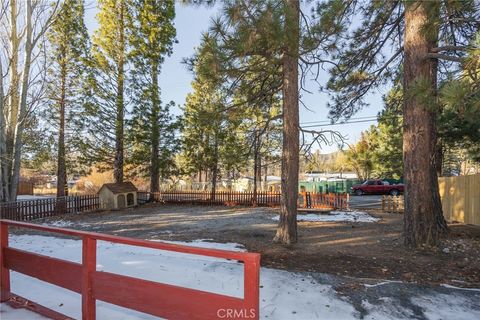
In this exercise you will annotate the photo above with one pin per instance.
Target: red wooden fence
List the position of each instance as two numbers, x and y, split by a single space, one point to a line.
306 199
325 200
41 208
162 300
209 198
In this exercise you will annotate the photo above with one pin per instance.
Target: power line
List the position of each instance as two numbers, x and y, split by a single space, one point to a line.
337 124
329 122
355 120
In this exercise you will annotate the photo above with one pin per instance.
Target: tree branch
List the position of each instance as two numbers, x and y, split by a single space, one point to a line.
449 48
445 57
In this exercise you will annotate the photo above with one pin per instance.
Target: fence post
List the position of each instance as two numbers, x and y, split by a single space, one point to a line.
251 279
4 272
89 265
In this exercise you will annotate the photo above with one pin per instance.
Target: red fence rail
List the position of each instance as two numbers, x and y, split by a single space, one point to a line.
158 299
41 208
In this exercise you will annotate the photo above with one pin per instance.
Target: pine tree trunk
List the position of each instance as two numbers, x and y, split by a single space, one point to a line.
265 178
62 189
287 228
259 171
255 169
214 170
118 161
423 218
155 134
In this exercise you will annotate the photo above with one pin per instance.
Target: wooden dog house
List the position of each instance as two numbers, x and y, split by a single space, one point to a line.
118 195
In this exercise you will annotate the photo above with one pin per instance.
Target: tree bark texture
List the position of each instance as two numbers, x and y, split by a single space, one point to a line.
214 169
2 137
155 134
423 218
22 114
287 227
119 159
62 188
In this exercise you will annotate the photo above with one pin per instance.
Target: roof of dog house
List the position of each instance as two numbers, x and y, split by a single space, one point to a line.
120 187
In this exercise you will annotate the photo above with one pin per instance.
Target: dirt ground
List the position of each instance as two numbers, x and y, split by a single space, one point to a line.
347 249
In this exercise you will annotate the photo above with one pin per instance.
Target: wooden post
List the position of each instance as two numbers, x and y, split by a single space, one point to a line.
251 279
4 272
89 265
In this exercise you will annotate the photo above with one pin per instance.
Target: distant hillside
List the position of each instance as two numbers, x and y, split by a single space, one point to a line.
318 162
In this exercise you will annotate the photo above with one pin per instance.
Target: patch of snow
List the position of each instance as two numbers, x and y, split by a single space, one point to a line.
283 294
335 216
380 283
26 197
459 288
209 244
443 306
384 309
58 224
9 313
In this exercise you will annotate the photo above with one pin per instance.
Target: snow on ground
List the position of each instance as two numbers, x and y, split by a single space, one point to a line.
283 294
335 216
9 313
58 223
26 197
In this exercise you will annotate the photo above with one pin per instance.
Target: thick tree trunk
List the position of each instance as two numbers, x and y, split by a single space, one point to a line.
118 161
2 137
265 178
423 218
259 172
14 83
255 168
155 134
12 108
214 170
439 158
287 227
62 188
22 114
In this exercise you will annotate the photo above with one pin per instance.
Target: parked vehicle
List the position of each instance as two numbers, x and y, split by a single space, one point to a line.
377 186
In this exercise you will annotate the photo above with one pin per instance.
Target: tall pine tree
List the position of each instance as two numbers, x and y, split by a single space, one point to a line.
105 142
419 34
69 43
151 36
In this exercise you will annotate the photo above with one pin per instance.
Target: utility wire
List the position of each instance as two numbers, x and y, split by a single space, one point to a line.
329 122
313 124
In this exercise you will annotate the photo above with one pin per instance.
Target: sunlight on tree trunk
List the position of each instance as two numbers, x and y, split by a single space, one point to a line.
287 227
423 219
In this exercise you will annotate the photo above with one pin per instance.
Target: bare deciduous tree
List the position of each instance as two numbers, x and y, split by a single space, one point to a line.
23 26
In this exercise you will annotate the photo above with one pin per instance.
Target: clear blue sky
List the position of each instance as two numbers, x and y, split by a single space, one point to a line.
175 79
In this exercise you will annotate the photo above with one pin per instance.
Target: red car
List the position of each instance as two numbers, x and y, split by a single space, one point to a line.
377 186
